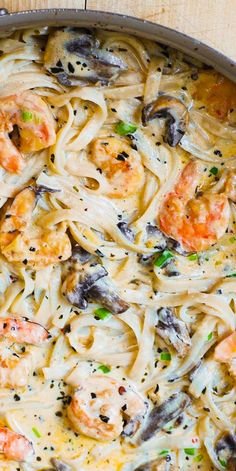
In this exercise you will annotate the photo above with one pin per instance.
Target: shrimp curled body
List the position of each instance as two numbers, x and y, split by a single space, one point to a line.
15 371
225 352
99 406
195 222
23 331
120 164
35 127
21 240
14 446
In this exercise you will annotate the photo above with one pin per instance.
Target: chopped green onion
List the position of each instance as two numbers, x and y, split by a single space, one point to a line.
233 275
198 458
36 432
232 239
104 368
75 188
214 170
209 337
164 452
193 256
102 313
26 116
189 451
223 463
123 128
162 259
165 356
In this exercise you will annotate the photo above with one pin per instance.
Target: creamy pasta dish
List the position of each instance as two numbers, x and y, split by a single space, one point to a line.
117 255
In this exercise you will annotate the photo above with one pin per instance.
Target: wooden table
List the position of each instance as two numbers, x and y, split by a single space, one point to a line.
211 21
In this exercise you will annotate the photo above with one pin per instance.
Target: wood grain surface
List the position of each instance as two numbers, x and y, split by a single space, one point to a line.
211 21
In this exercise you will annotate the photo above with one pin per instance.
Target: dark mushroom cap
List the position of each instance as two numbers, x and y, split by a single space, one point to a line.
174 111
74 55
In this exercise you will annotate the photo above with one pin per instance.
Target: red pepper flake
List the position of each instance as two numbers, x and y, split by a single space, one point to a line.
121 390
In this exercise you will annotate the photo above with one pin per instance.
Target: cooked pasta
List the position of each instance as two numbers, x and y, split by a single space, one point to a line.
117 255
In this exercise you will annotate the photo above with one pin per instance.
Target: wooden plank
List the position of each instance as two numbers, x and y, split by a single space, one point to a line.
21 5
211 21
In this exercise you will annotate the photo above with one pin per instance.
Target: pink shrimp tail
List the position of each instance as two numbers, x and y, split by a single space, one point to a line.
15 446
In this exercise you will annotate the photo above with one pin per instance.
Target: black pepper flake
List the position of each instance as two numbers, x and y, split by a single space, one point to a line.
124 407
67 329
25 261
194 76
59 63
218 152
70 67
16 397
58 413
56 70
7 216
156 389
93 395
39 458
32 249
104 418
75 112
113 110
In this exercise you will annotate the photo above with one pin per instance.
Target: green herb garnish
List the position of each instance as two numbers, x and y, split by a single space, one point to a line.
123 128
233 275
232 240
162 259
189 451
36 432
165 356
210 336
193 256
26 116
214 170
104 368
163 452
223 463
198 458
102 313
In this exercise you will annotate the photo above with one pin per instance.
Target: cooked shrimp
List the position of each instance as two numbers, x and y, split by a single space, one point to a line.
23 331
216 92
225 352
23 241
100 405
14 446
195 222
35 126
120 164
14 372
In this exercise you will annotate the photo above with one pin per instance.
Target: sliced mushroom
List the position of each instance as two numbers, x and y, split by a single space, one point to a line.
83 285
80 255
105 295
126 231
78 283
74 55
40 190
173 244
174 111
164 413
60 466
226 449
158 241
173 330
